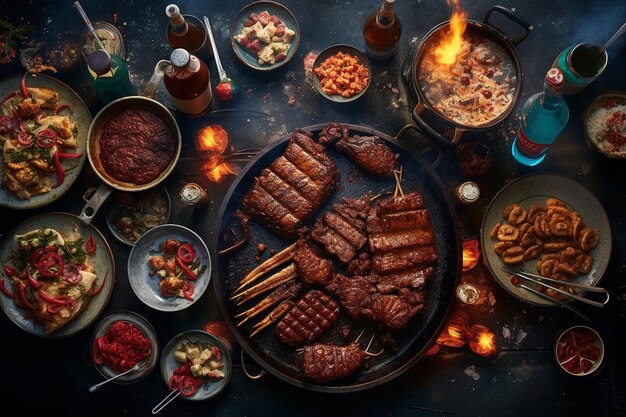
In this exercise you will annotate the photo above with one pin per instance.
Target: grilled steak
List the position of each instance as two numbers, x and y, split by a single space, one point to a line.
342 230
293 187
354 293
395 261
384 242
362 265
324 363
409 278
412 201
403 220
370 153
393 310
332 133
312 268
310 316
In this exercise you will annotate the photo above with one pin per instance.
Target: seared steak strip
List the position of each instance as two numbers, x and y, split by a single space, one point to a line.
306 185
412 201
352 235
400 240
324 363
262 206
310 316
370 153
412 219
284 193
412 277
333 242
408 258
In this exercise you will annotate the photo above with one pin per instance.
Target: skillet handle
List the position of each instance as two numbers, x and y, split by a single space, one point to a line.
435 146
245 370
94 203
427 130
513 17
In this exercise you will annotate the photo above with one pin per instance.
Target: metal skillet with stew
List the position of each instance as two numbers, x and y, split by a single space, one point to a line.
472 91
412 341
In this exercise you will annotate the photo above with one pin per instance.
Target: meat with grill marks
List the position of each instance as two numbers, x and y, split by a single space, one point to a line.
323 363
397 260
293 187
312 268
370 153
308 319
341 231
408 278
361 299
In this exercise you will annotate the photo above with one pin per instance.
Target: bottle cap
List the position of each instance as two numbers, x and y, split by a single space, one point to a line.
555 77
467 192
99 61
172 10
179 58
193 195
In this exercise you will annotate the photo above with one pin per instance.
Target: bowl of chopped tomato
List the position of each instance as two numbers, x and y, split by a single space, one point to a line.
579 351
342 73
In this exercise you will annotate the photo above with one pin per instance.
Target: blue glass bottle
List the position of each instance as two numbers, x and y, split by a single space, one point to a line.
109 76
544 117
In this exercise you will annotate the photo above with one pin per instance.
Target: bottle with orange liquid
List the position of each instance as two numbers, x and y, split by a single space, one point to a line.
188 82
381 31
183 33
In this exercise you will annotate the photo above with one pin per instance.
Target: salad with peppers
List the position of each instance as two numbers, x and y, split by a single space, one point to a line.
36 133
177 267
200 364
52 276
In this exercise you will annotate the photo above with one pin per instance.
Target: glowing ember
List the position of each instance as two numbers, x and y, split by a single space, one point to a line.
483 341
212 139
455 334
218 173
452 39
471 254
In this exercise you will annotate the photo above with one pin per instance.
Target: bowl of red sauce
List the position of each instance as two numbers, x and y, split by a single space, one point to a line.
579 351
120 341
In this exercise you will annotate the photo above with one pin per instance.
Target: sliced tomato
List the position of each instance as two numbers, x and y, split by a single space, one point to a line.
186 253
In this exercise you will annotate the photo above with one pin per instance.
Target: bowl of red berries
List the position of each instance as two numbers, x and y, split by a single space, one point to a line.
579 351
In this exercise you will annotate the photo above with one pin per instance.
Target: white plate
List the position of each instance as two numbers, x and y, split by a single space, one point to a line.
81 118
146 287
103 263
169 364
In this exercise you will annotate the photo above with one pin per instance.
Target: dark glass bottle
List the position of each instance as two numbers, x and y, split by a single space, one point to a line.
109 76
188 82
182 33
381 31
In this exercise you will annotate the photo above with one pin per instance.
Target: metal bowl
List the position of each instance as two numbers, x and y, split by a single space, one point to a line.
273 8
117 205
327 53
588 356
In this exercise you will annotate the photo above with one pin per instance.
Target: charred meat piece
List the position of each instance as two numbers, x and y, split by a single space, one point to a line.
362 265
408 258
409 278
324 363
401 240
411 219
312 268
370 153
342 230
355 293
393 311
293 187
308 319
412 201
332 133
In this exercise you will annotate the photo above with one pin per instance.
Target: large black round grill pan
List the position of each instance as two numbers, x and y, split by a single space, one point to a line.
413 341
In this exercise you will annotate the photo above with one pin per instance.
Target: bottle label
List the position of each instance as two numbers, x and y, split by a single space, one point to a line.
528 146
195 106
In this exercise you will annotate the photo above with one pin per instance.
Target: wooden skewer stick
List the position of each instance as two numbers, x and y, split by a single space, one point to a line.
280 258
282 276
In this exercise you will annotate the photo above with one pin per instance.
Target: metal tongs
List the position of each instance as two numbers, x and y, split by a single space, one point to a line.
538 279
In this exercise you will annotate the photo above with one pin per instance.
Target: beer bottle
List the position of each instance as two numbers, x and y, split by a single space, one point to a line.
109 76
381 31
188 82
182 33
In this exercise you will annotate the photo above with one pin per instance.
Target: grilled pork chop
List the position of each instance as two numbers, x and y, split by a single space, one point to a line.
324 363
293 187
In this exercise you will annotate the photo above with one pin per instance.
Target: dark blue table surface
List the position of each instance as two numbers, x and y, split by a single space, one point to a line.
43 376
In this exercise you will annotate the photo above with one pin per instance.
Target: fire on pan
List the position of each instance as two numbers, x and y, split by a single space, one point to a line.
267 303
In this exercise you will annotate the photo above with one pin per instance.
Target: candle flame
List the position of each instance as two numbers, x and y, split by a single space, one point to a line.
452 38
212 139
483 341
471 254
217 173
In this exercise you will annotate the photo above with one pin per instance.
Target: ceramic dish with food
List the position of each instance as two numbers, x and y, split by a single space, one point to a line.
120 341
341 73
129 215
264 35
42 138
58 275
169 267
579 351
547 221
605 124
197 364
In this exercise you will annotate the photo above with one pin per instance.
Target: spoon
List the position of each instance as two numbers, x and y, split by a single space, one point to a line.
96 387
226 89
613 38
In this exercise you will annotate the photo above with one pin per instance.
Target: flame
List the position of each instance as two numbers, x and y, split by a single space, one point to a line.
456 332
212 139
483 341
217 173
452 39
471 254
